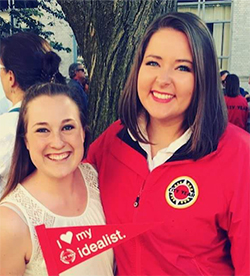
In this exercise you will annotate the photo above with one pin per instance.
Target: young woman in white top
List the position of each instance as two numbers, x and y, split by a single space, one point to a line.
47 184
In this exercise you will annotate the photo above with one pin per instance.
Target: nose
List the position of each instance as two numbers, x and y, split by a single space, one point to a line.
57 140
164 77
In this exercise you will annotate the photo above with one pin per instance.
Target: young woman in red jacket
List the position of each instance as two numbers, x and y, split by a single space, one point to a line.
173 160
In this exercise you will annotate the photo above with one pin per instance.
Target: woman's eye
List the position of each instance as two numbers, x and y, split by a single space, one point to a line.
152 63
68 127
42 130
184 68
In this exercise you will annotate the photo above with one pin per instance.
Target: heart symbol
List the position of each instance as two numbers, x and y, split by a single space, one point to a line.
67 237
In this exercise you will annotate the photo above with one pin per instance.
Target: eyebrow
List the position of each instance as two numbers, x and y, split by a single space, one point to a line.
45 123
153 56
178 60
184 60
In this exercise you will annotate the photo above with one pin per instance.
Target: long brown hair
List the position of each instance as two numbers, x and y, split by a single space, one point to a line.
21 165
206 114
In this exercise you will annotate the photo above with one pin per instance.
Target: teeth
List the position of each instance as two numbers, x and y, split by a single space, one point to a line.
162 96
58 156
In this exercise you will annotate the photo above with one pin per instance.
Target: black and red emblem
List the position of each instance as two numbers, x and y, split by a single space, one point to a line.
182 192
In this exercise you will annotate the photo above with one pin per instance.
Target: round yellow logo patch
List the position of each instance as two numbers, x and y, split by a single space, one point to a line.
182 192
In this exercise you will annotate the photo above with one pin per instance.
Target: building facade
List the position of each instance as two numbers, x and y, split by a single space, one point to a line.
229 23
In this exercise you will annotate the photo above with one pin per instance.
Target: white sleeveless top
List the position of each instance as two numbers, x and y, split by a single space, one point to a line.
34 213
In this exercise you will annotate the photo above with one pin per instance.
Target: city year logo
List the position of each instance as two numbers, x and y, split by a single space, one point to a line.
68 256
182 192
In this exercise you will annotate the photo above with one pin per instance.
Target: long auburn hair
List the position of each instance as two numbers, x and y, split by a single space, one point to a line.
206 115
21 165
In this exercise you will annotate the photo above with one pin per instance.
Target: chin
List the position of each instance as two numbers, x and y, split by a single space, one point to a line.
60 174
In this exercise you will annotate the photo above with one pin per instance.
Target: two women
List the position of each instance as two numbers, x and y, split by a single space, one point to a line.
169 161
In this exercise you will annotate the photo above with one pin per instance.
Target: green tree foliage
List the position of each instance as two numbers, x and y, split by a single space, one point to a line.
26 16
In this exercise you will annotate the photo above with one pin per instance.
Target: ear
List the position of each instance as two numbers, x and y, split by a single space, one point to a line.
12 79
26 143
83 135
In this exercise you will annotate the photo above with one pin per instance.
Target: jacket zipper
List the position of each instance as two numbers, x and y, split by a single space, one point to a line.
137 200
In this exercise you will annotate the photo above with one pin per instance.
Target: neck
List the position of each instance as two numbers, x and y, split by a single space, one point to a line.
80 81
66 196
16 96
161 134
60 187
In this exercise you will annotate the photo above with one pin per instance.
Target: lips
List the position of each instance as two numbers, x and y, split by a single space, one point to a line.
162 97
58 156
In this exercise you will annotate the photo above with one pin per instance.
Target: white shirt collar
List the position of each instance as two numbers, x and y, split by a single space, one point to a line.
16 105
164 154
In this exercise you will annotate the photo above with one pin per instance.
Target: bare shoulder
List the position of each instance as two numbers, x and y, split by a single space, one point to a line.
15 242
11 221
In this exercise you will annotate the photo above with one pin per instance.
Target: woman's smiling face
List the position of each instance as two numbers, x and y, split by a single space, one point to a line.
55 135
166 78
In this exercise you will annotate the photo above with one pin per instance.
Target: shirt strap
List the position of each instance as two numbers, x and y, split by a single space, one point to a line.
17 109
15 209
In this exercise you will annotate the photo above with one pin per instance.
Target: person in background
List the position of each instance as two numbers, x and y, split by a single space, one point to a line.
173 161
86 86
237 106
223 76
25 59
46 184
78 80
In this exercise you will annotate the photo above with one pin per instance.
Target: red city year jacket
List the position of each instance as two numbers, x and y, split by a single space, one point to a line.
202 206
237 109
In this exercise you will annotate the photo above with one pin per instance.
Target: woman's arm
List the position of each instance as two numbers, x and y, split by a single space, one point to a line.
239 215
15 243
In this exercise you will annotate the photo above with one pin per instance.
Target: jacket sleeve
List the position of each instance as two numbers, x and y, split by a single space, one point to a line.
239 215
95 152
101 145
